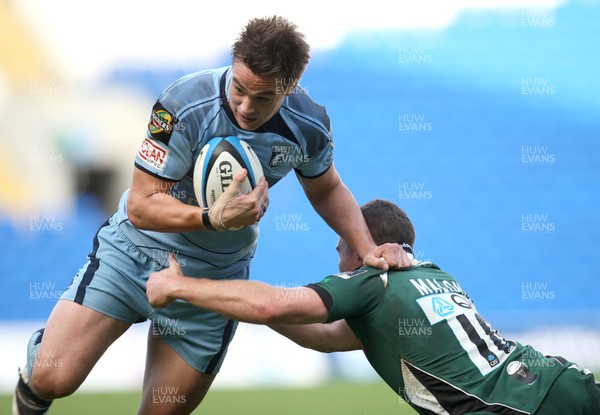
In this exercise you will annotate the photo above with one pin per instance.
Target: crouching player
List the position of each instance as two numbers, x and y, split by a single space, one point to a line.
462 366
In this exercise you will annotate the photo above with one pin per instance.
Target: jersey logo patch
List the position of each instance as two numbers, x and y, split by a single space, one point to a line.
521 372
161 124
351 274
153 154
441 307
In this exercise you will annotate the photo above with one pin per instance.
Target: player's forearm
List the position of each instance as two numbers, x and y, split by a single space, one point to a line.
247 301
326 338
310 336
339 209
224 297
163 213
251 301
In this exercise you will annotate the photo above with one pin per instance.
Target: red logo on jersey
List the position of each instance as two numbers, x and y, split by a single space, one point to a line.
153 154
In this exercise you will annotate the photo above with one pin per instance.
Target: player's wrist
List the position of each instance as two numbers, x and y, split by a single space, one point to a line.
366 249
213 221
175 290
215 214
206 220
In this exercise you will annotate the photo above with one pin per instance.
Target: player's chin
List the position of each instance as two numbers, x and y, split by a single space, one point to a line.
250 127
249 124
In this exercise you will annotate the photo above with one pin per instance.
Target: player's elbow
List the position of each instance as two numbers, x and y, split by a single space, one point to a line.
323 347
321 343
269 312
316 344
135 212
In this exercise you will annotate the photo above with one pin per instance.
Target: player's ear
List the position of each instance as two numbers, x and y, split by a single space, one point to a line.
358 261
354 260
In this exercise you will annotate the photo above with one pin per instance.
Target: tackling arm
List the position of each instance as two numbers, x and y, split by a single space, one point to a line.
247 301
330 337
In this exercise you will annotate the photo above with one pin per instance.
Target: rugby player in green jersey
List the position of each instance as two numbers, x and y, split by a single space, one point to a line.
418 328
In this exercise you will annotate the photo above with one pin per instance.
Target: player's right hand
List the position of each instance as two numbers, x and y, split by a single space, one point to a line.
388 255
234 210
160 284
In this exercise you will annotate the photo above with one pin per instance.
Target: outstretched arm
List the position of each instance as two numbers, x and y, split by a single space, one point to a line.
329 337
247 301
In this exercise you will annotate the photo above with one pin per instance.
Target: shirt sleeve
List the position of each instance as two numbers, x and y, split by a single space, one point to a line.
166 151
352 294
315 127
319 160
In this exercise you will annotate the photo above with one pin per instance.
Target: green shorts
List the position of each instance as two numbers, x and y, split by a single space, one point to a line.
574 392
113 282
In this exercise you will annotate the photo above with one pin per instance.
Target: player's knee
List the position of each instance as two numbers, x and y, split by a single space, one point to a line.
50 384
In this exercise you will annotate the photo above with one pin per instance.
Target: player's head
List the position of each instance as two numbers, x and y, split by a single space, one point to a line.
387 222
268 60
272 47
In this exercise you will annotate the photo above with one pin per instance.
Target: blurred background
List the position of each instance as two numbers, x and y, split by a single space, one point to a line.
479 118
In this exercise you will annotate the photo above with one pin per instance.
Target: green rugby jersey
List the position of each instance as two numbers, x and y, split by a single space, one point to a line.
424 337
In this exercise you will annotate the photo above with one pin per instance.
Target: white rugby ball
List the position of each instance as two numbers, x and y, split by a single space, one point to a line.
219 160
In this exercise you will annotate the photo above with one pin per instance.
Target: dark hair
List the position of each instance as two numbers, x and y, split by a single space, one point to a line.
388 223
272 46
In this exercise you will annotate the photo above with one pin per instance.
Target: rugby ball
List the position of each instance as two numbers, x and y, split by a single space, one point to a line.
219 160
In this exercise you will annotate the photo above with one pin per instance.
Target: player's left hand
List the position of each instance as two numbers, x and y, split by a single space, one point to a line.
386 256
160 283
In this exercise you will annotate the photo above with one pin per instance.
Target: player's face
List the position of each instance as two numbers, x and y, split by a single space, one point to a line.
253 99
349 259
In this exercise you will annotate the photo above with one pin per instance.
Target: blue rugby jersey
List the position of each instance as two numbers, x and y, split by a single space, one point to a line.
190 112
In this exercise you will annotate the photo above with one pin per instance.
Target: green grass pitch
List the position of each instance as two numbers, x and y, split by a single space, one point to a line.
332 398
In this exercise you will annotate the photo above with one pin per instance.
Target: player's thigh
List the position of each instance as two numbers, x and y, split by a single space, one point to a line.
103 300
74 338
171 385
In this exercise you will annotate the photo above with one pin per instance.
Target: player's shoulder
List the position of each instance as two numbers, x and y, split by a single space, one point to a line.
306 112
358 275
199 78
422 269
363 271
425 265
193 89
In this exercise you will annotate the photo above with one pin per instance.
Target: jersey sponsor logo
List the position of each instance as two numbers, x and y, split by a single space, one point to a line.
153 154
441 307
462 301
161 124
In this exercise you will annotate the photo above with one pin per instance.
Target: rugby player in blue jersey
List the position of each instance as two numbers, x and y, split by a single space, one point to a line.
257 99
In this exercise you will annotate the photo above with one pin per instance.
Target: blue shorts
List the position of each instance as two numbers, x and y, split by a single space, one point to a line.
113 282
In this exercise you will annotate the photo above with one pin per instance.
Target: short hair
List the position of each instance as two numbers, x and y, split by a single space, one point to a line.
388 223
272 46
